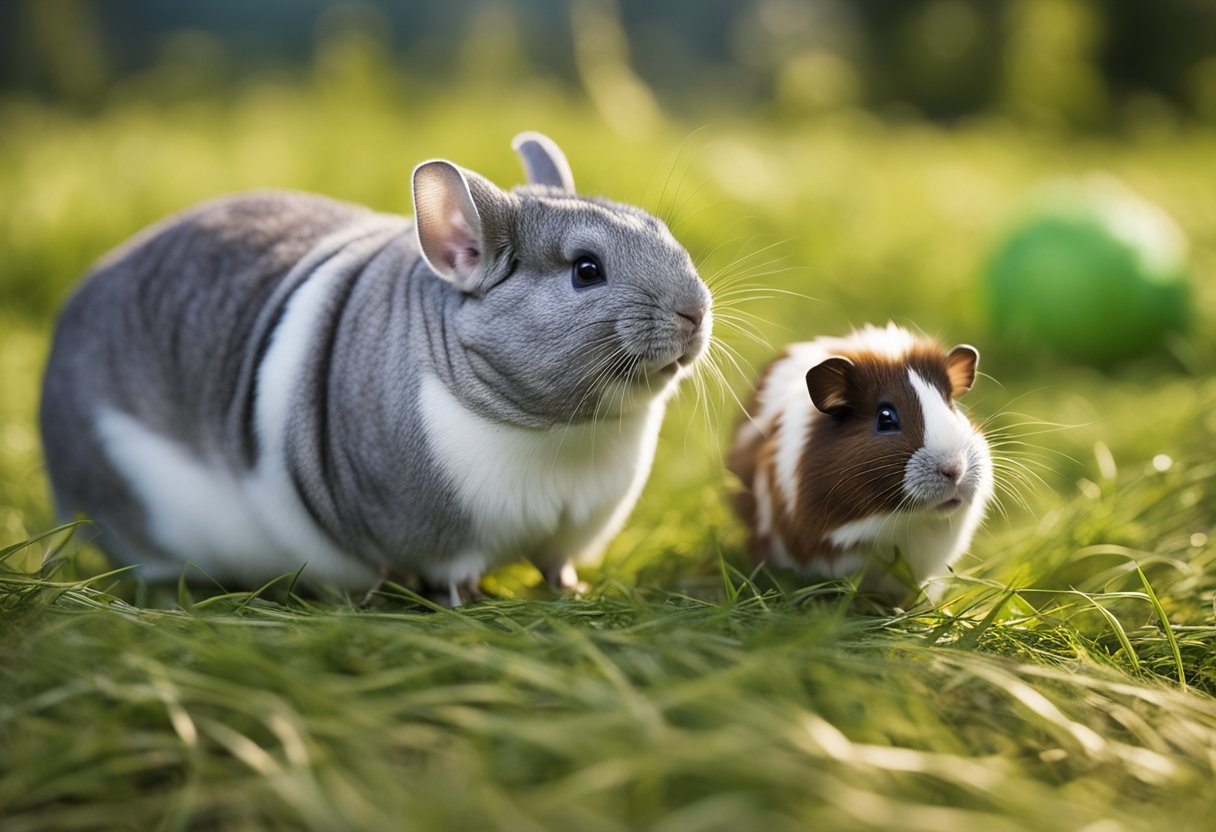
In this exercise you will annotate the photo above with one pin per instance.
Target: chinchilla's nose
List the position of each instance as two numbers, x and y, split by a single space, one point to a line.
688 318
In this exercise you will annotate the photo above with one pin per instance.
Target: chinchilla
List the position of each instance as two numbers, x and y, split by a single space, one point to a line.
275 379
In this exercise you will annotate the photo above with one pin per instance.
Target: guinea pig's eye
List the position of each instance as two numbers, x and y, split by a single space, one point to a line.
587 272
888 419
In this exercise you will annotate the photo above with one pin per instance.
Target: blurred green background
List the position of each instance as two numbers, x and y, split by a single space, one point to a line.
827 164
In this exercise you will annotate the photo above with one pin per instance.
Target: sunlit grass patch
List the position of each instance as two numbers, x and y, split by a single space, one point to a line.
626 708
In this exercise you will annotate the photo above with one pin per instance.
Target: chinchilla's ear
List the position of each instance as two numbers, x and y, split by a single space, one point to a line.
454 227
544 162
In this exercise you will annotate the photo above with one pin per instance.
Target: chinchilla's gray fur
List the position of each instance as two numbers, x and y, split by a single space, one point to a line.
171 331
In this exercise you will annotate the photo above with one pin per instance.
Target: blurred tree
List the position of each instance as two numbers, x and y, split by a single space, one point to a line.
943 56
353 51
601 47
56 49
1051 77
1070 64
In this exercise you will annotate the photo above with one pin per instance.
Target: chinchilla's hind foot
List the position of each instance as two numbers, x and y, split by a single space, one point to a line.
453 593
563 578
450 595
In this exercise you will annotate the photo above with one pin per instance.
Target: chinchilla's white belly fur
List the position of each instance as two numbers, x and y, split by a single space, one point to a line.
251 527
548 495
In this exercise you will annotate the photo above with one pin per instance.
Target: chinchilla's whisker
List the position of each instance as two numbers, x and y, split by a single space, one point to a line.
676 219
664 213
741 242
742 258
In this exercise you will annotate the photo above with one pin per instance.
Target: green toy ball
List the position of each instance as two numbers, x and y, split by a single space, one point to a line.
1091 271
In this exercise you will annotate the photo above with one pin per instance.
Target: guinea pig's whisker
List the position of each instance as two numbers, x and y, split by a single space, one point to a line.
890 490
1032 457
887 460
1032 453
1022 474
1008 430
879 466
1007 488
1028 420
843 483
1004 490
1014 460
1010 483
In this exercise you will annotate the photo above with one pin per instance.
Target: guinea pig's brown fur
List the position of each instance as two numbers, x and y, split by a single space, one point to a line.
813 465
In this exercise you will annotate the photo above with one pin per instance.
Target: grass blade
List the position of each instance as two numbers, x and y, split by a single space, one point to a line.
1165 625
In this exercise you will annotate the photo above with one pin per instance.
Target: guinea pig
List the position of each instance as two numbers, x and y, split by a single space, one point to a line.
856 455
275 379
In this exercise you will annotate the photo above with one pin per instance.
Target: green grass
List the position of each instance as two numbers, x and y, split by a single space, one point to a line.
1067 681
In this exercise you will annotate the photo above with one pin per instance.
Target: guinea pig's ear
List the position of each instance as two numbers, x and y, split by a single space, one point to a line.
449 225
828 384
961 364
544 162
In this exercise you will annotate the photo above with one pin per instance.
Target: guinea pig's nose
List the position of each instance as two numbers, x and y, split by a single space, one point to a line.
688 318
951 470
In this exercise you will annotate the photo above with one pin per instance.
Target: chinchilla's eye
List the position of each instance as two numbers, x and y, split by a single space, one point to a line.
888 419
587 272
